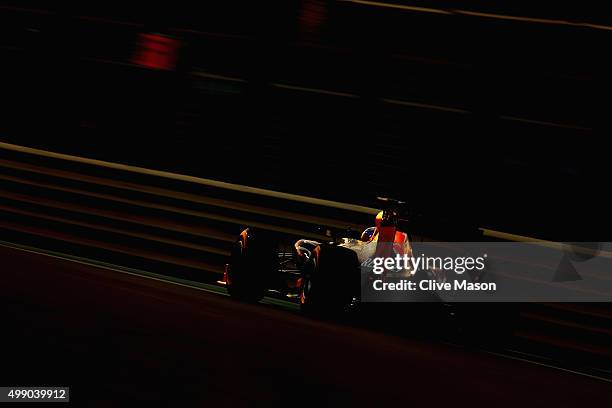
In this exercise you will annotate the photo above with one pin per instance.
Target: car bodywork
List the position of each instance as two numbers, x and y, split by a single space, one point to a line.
263 263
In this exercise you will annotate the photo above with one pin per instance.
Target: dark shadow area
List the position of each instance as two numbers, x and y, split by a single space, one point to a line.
491 120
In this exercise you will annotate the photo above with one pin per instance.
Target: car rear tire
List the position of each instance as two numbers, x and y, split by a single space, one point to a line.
330 281
250 267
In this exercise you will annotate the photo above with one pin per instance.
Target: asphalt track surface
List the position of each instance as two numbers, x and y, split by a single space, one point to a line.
118 339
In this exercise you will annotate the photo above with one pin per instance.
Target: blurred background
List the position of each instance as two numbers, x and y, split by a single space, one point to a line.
495 114
477 113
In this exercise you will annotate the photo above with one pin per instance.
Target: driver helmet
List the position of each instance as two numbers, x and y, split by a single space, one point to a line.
368 234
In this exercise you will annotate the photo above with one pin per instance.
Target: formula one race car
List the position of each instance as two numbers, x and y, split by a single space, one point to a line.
331 277
323 276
